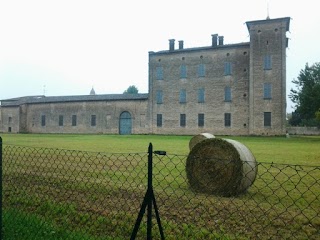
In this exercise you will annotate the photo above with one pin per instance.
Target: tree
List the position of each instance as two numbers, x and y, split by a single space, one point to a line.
318 115
131 90
307 95
295 119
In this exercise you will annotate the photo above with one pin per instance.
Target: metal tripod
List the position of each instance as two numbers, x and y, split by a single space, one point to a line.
148 201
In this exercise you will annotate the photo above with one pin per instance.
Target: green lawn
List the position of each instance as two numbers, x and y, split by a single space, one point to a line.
27 226
79 194
302 150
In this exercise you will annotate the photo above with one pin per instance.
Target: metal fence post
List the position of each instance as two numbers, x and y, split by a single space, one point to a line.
149 198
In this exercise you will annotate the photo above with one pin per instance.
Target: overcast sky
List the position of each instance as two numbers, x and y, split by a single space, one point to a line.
66 47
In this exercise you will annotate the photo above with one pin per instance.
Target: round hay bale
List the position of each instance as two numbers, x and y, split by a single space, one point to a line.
198 138
220 166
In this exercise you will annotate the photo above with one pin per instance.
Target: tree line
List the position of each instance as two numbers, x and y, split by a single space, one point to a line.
306 96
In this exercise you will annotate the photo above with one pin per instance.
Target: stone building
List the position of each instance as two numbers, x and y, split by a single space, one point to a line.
111 113
224 89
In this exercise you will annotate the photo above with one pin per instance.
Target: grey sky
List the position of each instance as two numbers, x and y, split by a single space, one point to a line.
65 47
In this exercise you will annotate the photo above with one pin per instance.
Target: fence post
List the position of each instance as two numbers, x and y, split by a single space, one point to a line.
1 237
149 198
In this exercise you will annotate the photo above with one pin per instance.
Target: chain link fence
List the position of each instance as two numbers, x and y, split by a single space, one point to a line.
65 194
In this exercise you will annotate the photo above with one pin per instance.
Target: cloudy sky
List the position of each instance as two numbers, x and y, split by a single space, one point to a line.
66 47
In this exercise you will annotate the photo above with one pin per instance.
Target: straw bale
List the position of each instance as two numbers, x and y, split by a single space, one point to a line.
219 166
249 165
198 138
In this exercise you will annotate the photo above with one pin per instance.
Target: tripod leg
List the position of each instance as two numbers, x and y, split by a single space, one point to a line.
157 216
140 216
149 218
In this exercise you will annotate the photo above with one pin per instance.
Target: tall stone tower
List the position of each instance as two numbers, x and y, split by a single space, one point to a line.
267 80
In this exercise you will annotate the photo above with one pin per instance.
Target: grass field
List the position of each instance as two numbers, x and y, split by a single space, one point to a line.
304 150
71 198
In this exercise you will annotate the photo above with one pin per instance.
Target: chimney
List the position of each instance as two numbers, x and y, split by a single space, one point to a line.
171 44
181 44
220 40
214 40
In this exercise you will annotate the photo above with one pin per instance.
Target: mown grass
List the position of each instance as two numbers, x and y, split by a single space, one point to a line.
19 225
303 150
72 193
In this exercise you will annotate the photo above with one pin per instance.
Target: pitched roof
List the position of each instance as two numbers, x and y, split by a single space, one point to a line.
234 45
76 98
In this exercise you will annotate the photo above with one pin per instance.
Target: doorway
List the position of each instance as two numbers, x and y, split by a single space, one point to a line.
125 127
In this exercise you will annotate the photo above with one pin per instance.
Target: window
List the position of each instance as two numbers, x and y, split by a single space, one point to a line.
267 62
267 119
43 120
227 68
93 120
183 71
227 94
183 96
200 120
227 119
182 120
74 120
159 97
9 120
159 120
267 90
201 95
201 70
159 73
60 120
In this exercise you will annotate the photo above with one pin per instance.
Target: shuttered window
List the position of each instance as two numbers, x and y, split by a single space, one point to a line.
267 119
227 119
227 94
74 120
267 62
267 90
60 120
43 120
182 120
183 71
201 70
227 68
183 96
200 120
159 120
201 95
159 97
159 73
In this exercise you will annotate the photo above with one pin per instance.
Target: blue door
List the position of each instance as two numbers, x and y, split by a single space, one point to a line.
125 123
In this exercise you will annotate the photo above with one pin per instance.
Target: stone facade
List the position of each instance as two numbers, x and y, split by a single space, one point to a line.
75 114
204 94
268 40
224 89
243 85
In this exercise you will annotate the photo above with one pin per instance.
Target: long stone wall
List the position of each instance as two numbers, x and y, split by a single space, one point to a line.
303 130
106 117
75 117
